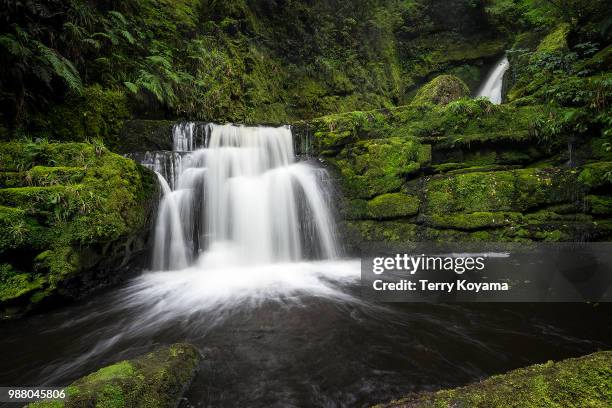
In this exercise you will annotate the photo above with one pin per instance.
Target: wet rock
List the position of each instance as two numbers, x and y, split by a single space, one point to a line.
157 379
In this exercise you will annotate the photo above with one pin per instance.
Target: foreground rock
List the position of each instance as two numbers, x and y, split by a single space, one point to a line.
157 379
74 218
577 382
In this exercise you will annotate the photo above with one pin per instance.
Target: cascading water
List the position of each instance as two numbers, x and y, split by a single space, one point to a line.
492 86
238 197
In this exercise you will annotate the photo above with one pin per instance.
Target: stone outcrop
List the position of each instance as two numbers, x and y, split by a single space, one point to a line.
74 218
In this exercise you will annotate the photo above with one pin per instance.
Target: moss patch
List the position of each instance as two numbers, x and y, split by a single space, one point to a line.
442 90
392 205
157 379
75 202
579 382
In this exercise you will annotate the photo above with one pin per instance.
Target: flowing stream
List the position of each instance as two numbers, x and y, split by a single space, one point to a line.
493 84
246 266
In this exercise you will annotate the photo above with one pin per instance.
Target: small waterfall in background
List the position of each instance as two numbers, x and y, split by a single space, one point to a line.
492 87
236 195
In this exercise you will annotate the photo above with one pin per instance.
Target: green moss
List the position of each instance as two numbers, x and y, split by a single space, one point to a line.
14 284
157 379
121 370
596 175
556 40
581 382
515 190
476 220
392 205
96 114
461 123
47 176
375 167
381 231
600 205
84 199
442 90
14 228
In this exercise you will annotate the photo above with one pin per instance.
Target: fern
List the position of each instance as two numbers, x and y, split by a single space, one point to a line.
60 65
14 47
132 87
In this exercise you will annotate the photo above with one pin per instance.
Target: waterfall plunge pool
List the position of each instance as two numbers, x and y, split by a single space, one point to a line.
295 334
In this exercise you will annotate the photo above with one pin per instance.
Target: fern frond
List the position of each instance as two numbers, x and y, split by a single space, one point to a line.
62 67
131 86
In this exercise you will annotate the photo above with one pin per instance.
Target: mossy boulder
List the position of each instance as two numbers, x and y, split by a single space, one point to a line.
75 218
393 205
155 380
577 382
373 167
442 90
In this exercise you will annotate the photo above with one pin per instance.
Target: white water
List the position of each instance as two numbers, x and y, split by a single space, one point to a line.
492 87
239 199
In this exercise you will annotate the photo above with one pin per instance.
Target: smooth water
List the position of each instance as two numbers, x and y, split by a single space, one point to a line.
295 334
247 270
492 86
240 197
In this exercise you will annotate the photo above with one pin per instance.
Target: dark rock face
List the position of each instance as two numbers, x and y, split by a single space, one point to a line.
145 135
75 217
158 379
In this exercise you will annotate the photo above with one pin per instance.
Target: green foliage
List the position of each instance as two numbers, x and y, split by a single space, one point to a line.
14 284
97 114
233 60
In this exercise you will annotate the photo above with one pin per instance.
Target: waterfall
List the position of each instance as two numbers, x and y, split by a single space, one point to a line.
492 86
235 194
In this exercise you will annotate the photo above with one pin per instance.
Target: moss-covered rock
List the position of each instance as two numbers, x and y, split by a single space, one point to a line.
577 382
442 90
514 190
393 205
75 217
475 171
463 123
155 380
375 167
475 220
556 40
